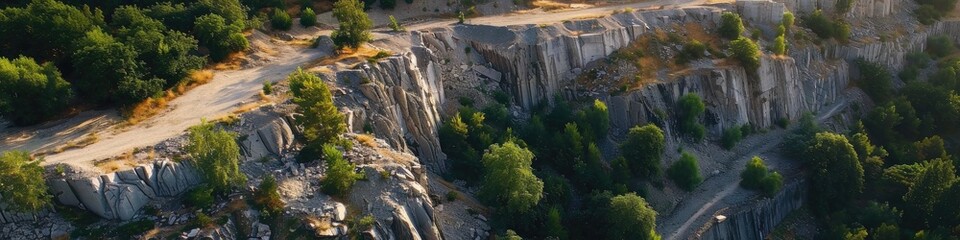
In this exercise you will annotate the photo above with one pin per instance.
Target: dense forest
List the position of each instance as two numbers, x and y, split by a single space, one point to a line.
54 55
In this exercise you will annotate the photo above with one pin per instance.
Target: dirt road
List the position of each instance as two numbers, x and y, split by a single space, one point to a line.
229 90
723 190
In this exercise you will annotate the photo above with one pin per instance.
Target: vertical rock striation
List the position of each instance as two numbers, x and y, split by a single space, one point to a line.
754 220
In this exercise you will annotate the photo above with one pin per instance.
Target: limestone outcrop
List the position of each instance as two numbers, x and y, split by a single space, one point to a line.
860 8
268 136
399 202
399 99
10 215
122 194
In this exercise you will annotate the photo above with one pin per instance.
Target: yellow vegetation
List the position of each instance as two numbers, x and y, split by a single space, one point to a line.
367 140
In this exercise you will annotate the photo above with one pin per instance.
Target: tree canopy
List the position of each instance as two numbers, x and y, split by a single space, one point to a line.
321 120
691 109
354 27
632 218
340 175
509 181
837 174
643 150
686 172
216 154
30 92
731 27
22 184
219 37
747 53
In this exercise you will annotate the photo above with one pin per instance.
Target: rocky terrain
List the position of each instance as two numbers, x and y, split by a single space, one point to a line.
403 98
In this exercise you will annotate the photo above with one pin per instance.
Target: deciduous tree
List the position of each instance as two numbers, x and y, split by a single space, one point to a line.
21 182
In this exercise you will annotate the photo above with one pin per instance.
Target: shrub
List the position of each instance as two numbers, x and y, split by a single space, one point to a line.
826 28
843 6
340 172
686 172
394 25
747 53
756 177
29 92
940 46
354 24
730 137
692 50
452 196
308 18
267 87
200 197
927 14
730 26
280 20
267 197
780 45
691 109
22 185
216 154
788 20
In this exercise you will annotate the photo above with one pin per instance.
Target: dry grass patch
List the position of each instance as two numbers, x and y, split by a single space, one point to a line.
232 62
348 56
550 5
83 142
116 164
366 140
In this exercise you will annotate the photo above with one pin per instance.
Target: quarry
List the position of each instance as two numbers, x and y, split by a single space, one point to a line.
396 103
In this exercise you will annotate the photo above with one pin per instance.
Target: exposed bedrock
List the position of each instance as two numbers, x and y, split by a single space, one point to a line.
120 195
271 136
10 215
859 9
537 62
399 97
400 203
754 220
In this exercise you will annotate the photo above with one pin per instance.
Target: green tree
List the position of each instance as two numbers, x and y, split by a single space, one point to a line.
643 149
509 181
232 11
280 20
322 122
752 175
731 27
931 148
340 175
464 159
218 37
685 172
691 109
569 148
837 174
937 177
554 226
308 18
747 53
692 50
166 54
29 92
354 27
631 217
22 185
945 212
940 46
268 198
780 45
215 152
595 121
395 26
45 29
875 80
730 137
797 141
787 21
108 70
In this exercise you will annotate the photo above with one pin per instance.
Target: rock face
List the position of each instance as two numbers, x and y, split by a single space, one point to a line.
758 219
10 215
399 98
860 8
399 202
269 136
120 195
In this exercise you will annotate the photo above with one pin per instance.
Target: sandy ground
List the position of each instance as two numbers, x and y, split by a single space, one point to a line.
723 190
